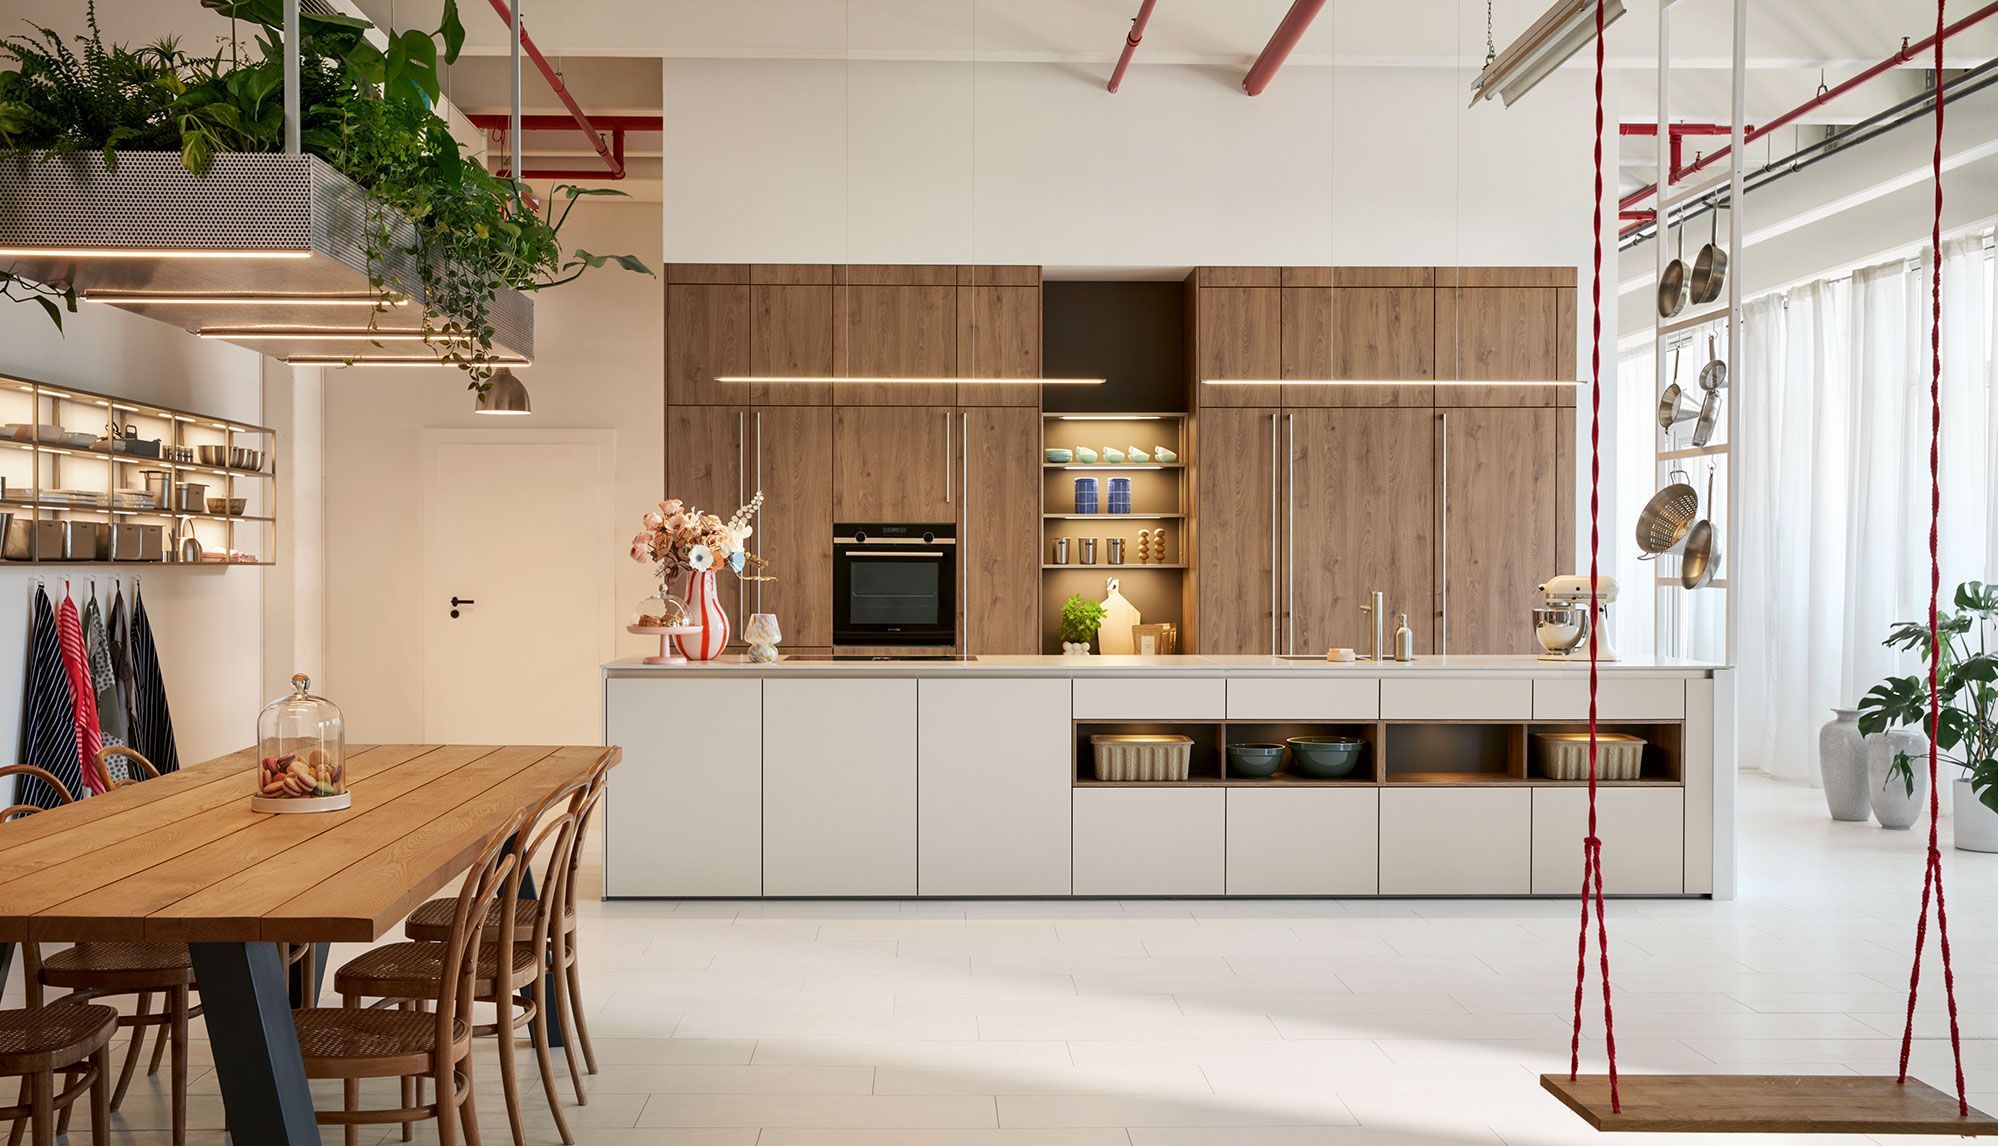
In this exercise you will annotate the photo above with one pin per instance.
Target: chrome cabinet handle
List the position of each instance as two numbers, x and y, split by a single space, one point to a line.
1290 532
756 421
964 549
1443 533
741 495
1274 560
947 452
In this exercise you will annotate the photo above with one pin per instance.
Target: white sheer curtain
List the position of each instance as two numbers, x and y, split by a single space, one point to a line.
1832 546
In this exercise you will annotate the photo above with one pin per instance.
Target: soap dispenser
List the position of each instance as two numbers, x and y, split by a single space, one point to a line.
1404 639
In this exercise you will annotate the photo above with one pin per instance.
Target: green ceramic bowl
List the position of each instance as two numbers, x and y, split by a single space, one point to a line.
1254 760
1326 757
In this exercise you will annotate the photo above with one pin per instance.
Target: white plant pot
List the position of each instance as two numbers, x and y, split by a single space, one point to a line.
1075 648
1976 825
1894 805
1842 767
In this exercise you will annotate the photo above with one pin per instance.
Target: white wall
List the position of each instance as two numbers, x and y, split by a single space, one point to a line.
599 364
872 161
208 621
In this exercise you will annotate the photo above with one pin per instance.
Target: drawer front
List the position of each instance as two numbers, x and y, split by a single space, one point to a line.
682 823
1643 832
1150 841
1304 698
1303 841
1457 841
1565 698
1150 698
1457 698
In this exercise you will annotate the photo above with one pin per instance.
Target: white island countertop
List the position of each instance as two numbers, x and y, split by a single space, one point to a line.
1190 665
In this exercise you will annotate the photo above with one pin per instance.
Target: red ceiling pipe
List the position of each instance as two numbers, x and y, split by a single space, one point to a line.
498 122
562 93
1281 42
1907 52
1131 43
617 149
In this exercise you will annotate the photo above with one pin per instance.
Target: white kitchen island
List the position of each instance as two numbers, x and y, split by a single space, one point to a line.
974 778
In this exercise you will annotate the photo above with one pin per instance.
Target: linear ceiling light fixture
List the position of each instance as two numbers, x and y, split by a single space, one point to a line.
856 380
1561 32
363 360
1391 382
324 334
231 298
146 253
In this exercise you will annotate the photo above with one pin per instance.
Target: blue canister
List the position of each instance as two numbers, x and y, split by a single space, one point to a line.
1085 495
1120 495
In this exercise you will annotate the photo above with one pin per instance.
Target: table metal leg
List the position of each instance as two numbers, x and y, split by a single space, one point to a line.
295 975
257 1061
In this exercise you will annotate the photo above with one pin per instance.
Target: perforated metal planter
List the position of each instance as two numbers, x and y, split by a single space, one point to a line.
257 247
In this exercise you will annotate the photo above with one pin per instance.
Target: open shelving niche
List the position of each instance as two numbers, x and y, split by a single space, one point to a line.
1159 497
1399 754
34 470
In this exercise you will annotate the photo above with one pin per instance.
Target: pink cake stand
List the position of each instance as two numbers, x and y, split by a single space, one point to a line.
665 633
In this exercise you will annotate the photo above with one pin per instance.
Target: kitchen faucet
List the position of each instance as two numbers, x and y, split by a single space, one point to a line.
1377 606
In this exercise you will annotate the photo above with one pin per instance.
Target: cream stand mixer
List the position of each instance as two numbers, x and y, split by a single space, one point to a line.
1562 622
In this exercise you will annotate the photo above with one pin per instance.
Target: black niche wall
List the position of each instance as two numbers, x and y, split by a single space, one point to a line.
1131 334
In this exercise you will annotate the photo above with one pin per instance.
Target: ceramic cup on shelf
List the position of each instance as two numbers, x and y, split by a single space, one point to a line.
1842 767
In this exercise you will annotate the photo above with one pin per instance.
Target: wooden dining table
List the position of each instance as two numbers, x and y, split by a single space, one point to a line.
183 859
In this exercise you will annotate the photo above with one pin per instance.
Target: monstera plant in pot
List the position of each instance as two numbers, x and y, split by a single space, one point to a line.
1967 689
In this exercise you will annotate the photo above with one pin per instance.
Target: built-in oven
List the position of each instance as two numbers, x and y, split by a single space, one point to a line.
894 584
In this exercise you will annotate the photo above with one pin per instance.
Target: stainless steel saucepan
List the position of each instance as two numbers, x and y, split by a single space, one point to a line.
1702 555
1713 376
1672 283
1710 268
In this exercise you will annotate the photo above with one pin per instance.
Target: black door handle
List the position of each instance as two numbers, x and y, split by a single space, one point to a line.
457 601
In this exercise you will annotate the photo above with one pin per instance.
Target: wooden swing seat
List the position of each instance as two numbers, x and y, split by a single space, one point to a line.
1767 1104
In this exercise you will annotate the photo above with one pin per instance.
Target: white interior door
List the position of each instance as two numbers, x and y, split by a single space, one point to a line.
517 529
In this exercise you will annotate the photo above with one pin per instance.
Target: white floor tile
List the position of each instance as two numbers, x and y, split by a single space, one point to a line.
869 1112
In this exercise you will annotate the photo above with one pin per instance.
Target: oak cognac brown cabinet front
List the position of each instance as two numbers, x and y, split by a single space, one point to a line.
1455 501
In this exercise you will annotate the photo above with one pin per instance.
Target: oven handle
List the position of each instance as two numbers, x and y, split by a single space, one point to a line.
898 553
854 544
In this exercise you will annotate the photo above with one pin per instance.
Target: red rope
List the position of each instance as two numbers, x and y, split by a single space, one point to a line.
1932 875
1592 846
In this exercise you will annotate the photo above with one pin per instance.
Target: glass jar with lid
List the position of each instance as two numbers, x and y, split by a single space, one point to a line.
301 753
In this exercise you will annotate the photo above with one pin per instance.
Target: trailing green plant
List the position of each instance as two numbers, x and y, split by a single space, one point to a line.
1966 734
1080 619
366 109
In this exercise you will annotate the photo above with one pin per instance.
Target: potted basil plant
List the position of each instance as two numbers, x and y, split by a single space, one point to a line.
1967 687
1079 621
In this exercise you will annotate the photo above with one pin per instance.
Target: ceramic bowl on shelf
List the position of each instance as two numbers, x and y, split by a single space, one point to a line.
1255 759
1326 757
1059 456
231 506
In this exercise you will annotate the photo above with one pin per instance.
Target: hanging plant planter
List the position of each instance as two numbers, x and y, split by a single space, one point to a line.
254 246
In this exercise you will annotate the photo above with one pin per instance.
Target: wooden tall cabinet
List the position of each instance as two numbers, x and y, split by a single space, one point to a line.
1500 514
1236 316
999 528
895 463
796 330
1359 515
791 461
901 322
1237 499
1455 501
707 466
707 336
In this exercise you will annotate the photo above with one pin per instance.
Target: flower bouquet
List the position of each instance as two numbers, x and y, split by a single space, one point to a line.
680 539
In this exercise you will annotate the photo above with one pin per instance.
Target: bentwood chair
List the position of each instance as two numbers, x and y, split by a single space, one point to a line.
351 1043
430 921
513 958
35 1044
63 794
118 766
91 971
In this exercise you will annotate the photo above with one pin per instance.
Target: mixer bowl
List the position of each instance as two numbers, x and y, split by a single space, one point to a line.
1561 628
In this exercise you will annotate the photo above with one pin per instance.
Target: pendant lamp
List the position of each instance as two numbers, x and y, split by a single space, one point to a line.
506 394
